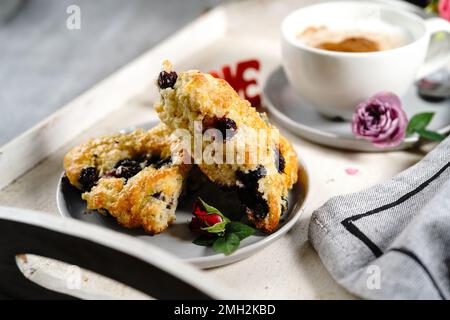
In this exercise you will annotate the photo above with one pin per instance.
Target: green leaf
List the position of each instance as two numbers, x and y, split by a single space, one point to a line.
227 244
217 228
419 122
212 210
209 209
204 241
430 135
240 229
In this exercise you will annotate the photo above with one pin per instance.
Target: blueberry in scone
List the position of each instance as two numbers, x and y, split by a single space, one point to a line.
263 181
130 176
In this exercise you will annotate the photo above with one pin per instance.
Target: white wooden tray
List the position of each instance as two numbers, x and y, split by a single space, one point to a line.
30 165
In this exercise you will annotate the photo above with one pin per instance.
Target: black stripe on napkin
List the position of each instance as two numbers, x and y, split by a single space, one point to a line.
353 229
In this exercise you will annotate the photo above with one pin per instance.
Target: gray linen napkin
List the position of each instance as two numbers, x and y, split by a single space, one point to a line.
391 241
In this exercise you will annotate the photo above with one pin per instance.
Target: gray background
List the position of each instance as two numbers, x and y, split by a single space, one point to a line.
43 65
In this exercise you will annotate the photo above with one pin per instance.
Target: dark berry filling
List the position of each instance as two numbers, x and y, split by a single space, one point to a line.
167 79
251 178
226 126
162 197
254 203
280 163
159 196
88 178
157 161
126 168
249 194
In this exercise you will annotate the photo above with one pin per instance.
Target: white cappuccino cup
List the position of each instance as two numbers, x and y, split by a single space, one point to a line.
334 82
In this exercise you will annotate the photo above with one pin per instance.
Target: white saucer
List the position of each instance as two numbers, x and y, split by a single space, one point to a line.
301 118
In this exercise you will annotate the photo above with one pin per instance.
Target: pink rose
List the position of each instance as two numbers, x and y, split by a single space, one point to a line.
444 9
380 120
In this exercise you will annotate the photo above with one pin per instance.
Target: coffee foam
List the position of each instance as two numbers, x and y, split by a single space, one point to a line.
385 35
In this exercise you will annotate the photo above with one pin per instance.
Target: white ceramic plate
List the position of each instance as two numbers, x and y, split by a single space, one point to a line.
177 239
301 118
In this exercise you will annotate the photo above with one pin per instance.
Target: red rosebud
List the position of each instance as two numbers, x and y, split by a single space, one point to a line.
212 219
198 209
202 219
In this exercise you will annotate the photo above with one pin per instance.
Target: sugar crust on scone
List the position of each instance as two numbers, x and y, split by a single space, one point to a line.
199 97
148 198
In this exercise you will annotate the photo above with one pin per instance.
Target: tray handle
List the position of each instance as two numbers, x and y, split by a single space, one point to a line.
17 237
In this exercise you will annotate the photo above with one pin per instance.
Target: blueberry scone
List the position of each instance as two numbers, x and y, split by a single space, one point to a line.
130 176
254 157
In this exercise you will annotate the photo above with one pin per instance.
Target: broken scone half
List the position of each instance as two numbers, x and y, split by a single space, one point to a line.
131 176
254 157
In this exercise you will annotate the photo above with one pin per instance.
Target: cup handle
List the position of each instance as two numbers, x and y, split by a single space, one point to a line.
438 54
